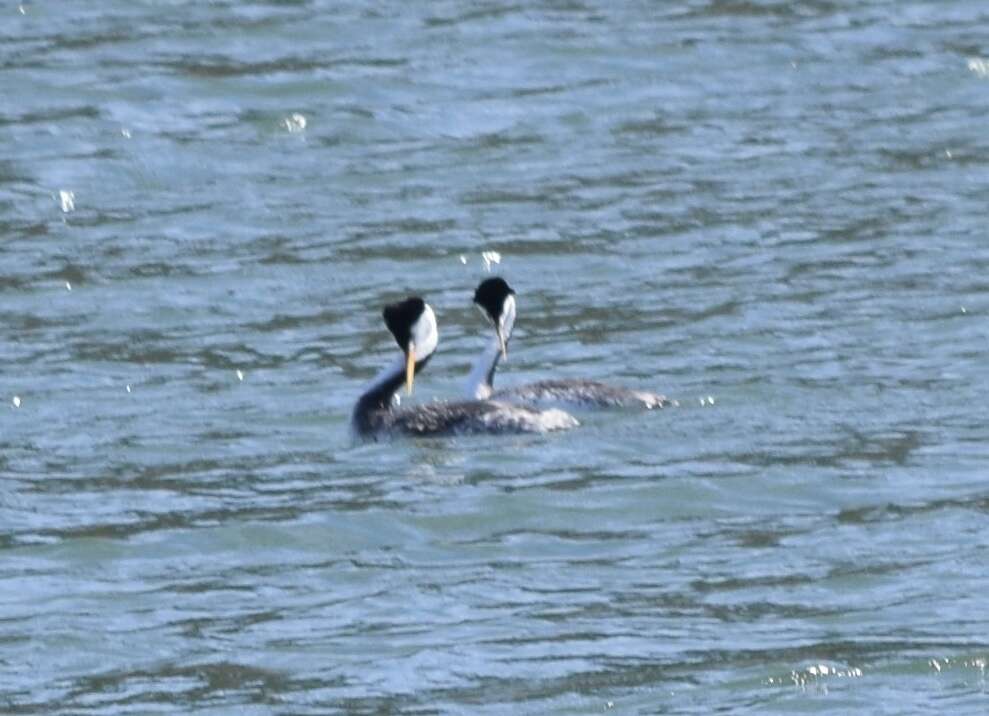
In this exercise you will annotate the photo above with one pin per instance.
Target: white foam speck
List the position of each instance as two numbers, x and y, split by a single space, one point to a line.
240 374
490 257
979 65
964 310
68 286
947 153
463 259
295 123
67 199
125 132
128 388
21 10
16 401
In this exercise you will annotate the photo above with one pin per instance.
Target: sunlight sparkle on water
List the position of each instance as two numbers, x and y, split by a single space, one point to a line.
813 674
490 257
295 123
67 200
979 66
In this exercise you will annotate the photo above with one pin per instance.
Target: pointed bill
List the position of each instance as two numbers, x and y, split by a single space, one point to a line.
410 367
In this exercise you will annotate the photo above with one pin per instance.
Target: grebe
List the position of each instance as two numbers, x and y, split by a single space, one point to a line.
413 325
497 301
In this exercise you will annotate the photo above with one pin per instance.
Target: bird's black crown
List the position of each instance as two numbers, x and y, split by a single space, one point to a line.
491 294
401 316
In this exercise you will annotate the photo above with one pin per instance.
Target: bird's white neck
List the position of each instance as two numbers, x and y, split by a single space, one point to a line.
480 382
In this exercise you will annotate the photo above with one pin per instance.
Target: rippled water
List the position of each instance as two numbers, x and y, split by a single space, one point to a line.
779 205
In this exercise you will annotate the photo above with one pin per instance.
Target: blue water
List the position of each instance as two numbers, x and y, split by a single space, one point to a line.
774 213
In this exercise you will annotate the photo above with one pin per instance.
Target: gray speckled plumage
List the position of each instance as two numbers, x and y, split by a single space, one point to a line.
413 325
577 391
468 417
497 300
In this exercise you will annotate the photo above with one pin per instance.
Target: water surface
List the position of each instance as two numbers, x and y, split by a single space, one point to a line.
772 212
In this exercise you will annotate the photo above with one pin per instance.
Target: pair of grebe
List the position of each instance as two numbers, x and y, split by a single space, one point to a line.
512 410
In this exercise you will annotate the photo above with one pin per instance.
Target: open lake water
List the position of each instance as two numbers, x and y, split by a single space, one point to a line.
774 212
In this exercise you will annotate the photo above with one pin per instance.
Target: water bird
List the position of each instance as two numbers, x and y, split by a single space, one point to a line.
412 323
496 299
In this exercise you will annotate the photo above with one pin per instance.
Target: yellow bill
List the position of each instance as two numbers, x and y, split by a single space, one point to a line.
410 368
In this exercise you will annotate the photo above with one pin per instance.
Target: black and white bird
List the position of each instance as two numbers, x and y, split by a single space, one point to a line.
413 324
496 300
